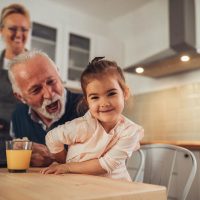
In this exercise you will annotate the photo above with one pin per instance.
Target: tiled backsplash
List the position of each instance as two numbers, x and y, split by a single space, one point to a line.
171 114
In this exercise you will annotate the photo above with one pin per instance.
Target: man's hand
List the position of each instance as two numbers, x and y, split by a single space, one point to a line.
41 157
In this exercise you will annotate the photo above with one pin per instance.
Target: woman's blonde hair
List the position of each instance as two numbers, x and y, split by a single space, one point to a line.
13 9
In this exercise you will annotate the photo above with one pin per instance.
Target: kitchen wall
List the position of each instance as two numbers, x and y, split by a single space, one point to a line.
171 114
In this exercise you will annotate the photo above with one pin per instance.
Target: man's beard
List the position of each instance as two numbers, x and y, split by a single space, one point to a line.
54 115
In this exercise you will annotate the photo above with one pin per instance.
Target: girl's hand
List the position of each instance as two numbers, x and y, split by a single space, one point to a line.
56 168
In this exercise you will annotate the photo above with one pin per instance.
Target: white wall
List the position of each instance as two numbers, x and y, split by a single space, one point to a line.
144 31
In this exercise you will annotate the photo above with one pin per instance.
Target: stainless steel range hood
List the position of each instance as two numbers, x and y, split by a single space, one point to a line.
182 41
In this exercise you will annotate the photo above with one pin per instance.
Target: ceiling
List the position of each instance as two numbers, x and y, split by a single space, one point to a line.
104 9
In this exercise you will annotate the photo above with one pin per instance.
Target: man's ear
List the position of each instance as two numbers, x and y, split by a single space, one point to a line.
19 97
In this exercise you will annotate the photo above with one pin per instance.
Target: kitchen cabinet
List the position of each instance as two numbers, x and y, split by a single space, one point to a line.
79 55
72 48
81 48
77 51
48 37
44 38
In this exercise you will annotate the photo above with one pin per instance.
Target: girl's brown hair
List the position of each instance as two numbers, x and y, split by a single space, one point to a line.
96 69
99 67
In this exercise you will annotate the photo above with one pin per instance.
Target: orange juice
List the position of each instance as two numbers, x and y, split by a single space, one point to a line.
18 160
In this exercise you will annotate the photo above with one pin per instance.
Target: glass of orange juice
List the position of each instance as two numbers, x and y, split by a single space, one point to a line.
18 154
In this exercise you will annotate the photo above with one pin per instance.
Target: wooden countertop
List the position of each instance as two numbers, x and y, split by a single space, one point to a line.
192 145
33 185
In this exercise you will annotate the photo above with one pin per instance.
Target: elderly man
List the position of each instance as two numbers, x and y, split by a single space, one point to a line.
46 104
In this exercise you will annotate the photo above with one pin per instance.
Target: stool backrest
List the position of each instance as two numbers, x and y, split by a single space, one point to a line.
171 166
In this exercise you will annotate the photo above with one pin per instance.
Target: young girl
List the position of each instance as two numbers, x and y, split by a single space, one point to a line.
103 136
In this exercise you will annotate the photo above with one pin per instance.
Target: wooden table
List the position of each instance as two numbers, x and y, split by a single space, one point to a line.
33 185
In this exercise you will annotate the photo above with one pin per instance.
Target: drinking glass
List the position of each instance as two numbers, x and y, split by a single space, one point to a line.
18 154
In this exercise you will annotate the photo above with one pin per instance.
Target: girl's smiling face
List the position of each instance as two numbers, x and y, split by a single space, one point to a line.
105 99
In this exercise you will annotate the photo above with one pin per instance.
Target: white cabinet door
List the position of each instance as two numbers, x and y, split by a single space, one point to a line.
79 55
44 39
78 51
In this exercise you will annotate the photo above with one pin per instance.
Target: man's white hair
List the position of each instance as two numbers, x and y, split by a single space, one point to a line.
21 59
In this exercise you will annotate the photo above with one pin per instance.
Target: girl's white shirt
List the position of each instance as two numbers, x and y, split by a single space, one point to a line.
87 139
